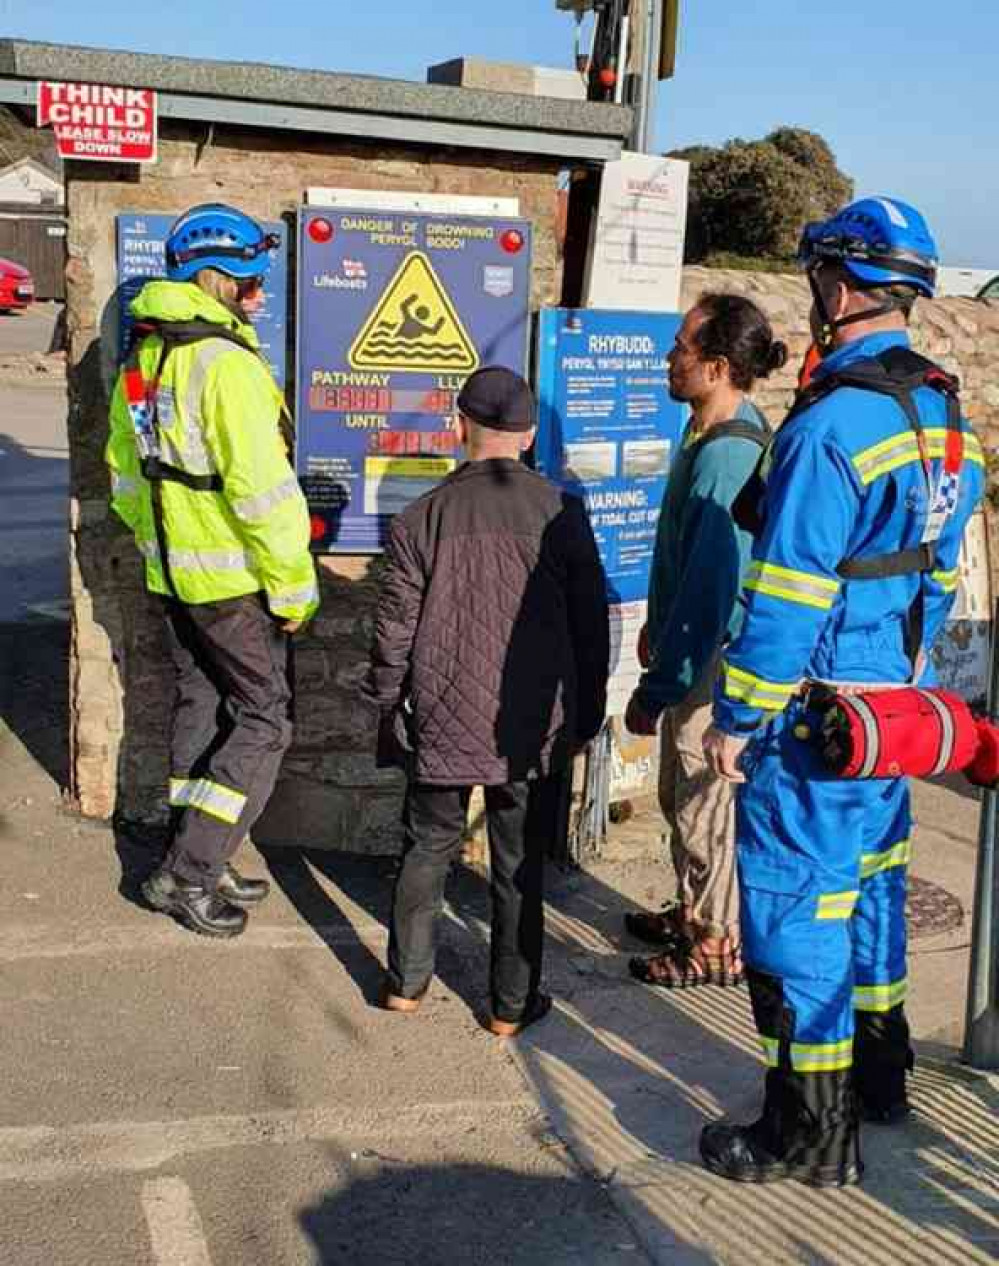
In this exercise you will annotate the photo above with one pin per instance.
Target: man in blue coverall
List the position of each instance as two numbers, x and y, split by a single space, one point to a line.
849 494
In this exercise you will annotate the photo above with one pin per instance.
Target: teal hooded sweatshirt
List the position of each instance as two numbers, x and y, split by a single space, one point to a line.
699 563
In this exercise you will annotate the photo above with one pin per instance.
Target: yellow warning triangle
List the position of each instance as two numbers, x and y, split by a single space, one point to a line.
414 327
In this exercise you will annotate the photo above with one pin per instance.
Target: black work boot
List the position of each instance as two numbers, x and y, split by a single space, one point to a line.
808 1132
198 908
239 890
882 1057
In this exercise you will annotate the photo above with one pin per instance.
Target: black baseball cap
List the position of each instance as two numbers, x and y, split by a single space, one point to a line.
499 399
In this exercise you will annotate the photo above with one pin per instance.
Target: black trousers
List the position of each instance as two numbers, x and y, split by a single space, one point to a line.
231 727
522 818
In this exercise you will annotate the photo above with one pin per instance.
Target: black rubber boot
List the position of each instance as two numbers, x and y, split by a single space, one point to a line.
200 909
239 890
808 1132
882 1057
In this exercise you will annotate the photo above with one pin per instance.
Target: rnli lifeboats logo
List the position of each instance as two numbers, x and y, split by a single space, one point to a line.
414 327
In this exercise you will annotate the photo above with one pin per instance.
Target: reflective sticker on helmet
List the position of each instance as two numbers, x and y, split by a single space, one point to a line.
893 212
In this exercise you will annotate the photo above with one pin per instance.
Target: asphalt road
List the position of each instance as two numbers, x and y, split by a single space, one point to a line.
34 477
30 331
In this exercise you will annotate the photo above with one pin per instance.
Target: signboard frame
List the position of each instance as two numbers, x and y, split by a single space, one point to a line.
635 259
360 463
102 123
636 432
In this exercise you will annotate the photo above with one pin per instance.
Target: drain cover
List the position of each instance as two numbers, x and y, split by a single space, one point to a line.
931 910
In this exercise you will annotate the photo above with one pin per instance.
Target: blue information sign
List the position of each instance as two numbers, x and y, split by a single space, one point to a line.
395 310
608 428
142 257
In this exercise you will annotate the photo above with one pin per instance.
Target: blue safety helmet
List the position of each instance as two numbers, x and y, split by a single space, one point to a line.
879 241
220 237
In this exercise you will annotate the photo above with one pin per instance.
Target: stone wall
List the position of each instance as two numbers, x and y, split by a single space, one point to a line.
120 677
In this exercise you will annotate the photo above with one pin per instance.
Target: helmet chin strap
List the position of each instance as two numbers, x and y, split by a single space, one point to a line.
828 326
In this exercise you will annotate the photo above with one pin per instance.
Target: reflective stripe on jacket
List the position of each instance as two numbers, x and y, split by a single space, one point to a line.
218 410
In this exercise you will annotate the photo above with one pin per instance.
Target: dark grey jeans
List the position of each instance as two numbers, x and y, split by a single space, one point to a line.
230 730
522 818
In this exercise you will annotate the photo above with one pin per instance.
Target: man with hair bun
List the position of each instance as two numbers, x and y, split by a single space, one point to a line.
724 345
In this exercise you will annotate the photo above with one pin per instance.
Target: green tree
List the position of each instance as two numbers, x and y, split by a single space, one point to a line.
750 199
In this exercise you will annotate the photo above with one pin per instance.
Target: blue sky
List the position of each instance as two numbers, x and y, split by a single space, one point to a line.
905 94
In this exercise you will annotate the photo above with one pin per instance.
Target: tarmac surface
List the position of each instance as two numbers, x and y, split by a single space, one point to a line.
172 1101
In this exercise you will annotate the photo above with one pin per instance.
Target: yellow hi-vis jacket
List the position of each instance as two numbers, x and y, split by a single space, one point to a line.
218 412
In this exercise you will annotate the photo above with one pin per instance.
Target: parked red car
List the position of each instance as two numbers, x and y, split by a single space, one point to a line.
17 289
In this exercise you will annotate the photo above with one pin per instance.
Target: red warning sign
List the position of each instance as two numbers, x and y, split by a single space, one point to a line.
100 122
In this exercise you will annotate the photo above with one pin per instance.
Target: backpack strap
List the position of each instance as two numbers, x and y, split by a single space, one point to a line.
736 429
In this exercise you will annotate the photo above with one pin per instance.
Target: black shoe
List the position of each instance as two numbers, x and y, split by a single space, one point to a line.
882 1061
537 1008
200 909
808 1131
885 1113
239 890
736 1152
733 1152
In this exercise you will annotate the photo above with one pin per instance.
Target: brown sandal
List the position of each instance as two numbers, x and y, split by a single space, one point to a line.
663 928
688 967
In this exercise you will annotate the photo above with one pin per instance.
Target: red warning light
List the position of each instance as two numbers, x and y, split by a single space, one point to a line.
320 230
317 527
512 241
607 77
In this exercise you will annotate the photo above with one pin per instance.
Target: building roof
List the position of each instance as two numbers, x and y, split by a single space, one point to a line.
259 95
43 169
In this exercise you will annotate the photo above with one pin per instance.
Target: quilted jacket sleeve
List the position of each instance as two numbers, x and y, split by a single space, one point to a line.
588 619
400 603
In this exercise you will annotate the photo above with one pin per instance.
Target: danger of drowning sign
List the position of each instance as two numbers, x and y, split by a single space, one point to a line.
100 122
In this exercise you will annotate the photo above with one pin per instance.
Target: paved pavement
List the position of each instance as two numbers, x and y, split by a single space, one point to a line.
176 1102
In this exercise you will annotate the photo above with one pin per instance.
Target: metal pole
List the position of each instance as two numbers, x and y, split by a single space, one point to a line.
648 29
653 39
981 1032
622 53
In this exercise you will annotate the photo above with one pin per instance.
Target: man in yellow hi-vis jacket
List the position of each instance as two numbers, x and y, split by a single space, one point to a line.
200 474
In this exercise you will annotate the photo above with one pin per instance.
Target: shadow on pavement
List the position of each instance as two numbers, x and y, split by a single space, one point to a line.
34 643
629 1075
34 691
140 849
362 882
467 1215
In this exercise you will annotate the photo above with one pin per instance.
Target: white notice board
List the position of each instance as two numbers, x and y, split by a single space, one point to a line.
636 255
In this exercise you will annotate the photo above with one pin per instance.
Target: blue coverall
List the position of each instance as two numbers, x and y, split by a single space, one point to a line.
823 861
